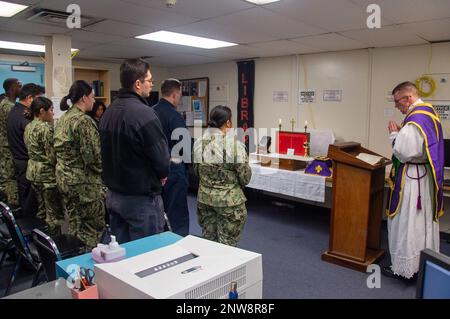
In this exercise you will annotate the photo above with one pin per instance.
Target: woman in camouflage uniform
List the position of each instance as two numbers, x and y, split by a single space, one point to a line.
221 164
79 166
38 138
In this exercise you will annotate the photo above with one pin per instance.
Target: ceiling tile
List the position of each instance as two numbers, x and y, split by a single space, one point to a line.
182 59
385 37
93 37
33 28
261 20
404 11
119 28
336 15
110 51
21 37
434 30
281 47
231 33
24 2
158 48
198 9
124 12
330 42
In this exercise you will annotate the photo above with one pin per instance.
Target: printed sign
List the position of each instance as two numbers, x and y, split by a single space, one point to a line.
443 110
280 96
307 96
332 95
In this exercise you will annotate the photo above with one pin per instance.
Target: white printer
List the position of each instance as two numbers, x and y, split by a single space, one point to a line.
192 268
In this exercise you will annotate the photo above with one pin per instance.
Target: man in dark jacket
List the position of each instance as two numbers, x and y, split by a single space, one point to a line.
135 157
175 190
15 126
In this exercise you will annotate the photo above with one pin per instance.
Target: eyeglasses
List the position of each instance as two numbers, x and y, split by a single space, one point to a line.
402 98
151 80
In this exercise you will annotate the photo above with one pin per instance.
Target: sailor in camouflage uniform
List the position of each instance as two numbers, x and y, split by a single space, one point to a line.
79 166
221 164
38 138
8 183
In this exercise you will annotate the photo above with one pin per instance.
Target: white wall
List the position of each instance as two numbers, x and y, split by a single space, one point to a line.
365 76
222 76
347 71
394 65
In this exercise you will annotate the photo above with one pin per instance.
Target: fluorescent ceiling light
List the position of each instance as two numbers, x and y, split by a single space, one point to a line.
24 46
185 39
8 9
261 2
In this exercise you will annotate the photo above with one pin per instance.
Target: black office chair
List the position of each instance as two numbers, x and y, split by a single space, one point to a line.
26 225
52 250
25 250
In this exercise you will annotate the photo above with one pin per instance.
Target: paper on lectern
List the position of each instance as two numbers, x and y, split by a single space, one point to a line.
369 158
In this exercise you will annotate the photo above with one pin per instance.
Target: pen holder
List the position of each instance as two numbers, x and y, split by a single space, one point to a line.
91 292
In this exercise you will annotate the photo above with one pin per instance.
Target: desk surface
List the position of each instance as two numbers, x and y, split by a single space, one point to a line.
52 290
133 248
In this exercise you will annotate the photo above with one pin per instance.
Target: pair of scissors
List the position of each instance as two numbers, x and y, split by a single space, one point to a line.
87 274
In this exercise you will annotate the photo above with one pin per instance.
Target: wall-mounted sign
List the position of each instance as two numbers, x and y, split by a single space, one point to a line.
443 110
280 96
307 96
332 95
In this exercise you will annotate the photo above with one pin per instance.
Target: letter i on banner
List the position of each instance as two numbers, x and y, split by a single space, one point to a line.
246 86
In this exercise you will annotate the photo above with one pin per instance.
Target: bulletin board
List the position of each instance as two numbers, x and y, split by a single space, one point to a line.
194 104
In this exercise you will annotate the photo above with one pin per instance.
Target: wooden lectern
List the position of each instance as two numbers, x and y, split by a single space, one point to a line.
358 193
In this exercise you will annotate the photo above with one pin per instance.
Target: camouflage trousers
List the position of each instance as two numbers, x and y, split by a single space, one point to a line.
85 205
222 224
51 206
8 182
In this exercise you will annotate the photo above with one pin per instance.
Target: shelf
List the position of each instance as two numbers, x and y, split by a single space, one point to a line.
90 75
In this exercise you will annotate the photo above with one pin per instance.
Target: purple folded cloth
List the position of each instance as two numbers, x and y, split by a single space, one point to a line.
319 166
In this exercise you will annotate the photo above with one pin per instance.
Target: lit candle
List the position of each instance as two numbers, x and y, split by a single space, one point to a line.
306 123
279 122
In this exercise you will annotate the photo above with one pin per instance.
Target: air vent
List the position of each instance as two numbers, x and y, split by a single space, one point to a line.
218 288
58 18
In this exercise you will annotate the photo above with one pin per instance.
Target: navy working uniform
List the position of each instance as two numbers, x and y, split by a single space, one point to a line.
16 124
221 163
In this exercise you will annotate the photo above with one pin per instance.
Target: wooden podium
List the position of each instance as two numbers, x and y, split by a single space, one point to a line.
358 193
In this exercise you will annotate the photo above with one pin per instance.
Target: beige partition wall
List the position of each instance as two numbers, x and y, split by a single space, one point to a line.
365 77
393 65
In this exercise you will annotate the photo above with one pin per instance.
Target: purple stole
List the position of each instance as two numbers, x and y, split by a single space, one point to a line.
425 118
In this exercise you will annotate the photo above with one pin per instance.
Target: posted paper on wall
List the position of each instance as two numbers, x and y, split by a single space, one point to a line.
443 110
307 96
202 88
332 95
280 96
185 105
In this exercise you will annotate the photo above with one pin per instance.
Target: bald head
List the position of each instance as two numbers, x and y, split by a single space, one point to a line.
406 87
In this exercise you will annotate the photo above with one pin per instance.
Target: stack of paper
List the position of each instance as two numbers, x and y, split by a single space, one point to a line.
369 158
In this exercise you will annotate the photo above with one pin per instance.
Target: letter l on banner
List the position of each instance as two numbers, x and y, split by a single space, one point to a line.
246 86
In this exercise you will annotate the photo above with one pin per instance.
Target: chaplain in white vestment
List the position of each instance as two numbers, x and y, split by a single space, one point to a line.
415 200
